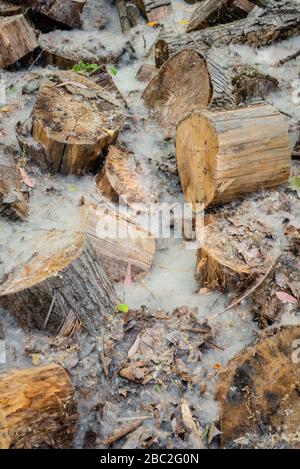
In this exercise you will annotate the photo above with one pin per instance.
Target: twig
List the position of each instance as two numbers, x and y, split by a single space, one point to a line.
288 58
122 431
50 310
249 292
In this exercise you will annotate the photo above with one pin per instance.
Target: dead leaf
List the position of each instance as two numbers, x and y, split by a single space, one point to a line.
190 426
26 178
133 349
285 297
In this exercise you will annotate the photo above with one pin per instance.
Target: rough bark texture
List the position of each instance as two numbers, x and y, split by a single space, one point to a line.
63 11
155 10
74 120
61 291
260 387
212 12
222 155
118 181
17 39
37 408
254 31
119 243
13 201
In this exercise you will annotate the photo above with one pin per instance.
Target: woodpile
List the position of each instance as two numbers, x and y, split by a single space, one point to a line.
94 118
259 387
37 408
13 198
222 155
17 39
254 31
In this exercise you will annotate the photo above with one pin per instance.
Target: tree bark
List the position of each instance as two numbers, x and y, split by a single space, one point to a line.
62 291
213 12
74 120
222 155
63 11
155 10
260 388
13 201
17 39
37 408
118 181
254 31
119 243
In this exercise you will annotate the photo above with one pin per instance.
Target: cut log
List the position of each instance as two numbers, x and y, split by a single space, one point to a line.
175 89
63 11
222 155
260 388
120 243
129 15
118 181
13 201
9 9
253 31
63 50
74 120
37 408
17 39
212 12
155 10
59 288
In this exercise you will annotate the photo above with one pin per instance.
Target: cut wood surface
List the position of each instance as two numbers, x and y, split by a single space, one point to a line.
37 408
175 90
59 287
119 243
146 72
155 10
13 200
222 155
9 9
212 12
259 389
118 181
17 39
253 31
74 120
63 11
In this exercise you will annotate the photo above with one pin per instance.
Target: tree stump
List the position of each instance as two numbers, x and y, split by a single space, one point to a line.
222 155
74 120
253 31
60 287
260 387
17 39
212 12
119 243
37 408
118 181
63 11
13 200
